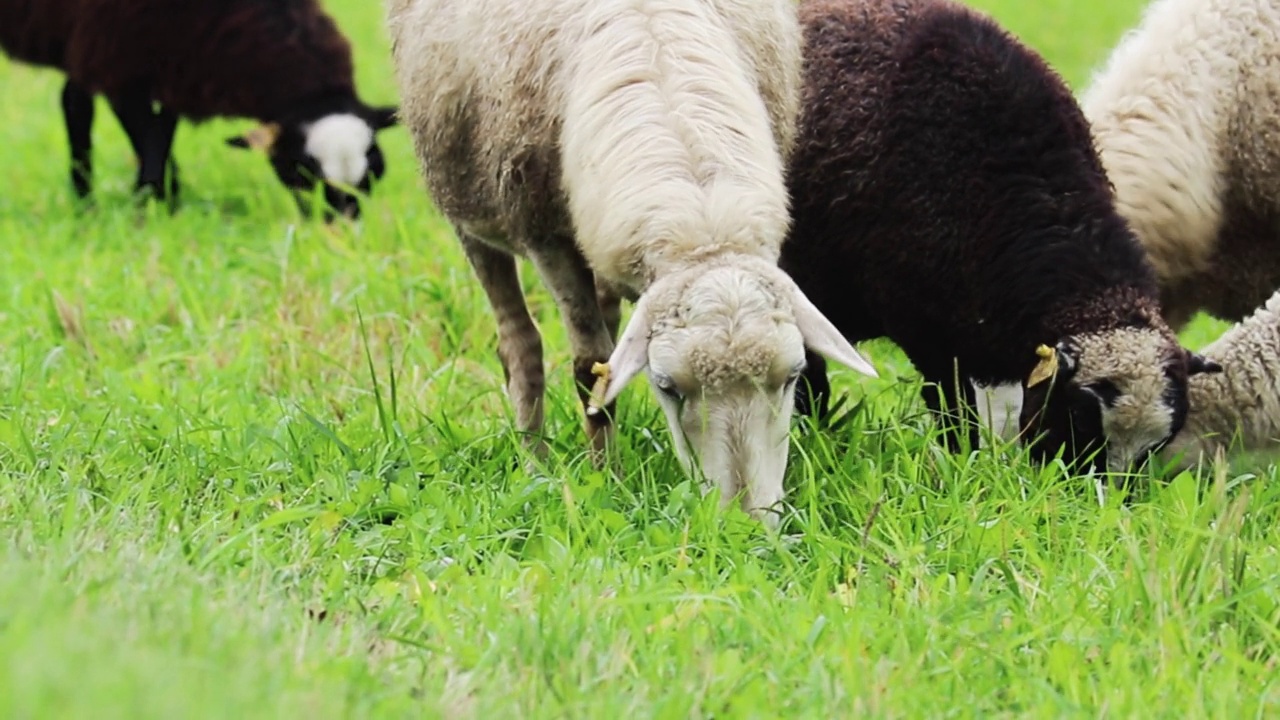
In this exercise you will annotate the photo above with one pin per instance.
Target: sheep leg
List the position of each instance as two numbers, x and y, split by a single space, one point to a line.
610 301
133 111
132 122
519 343
159 173
150 133
77 111
573 286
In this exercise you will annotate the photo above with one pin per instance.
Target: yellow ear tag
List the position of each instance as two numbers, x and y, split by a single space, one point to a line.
601 371
1046 368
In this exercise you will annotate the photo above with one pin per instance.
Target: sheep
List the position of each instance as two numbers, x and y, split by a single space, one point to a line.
946 195
1238 409
636 148
284 63
1186 117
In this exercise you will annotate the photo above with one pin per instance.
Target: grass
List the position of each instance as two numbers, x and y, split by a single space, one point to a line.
254 467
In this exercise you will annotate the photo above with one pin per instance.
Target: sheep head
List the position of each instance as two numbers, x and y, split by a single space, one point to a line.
723 344
334 147
1118 395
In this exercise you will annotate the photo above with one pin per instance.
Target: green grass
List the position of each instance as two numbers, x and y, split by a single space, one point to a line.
255 467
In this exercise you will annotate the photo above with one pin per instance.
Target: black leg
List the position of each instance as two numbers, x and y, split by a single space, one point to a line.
77 111
150 132
133 110
158 156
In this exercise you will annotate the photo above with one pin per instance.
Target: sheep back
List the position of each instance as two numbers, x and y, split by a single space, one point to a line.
1186 113
200 59
36 31
485 86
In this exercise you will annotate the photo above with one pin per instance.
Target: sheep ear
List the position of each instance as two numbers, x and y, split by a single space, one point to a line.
261 138
1059 361
1046 368
629 357
381 118
823 338
1198 364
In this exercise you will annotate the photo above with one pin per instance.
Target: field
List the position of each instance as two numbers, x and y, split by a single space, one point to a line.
254 467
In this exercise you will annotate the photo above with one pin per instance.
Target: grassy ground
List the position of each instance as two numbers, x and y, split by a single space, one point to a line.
252 467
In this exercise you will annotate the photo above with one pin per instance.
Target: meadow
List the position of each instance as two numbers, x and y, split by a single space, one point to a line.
253 466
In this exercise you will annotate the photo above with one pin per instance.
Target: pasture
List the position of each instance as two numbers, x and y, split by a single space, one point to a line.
253 466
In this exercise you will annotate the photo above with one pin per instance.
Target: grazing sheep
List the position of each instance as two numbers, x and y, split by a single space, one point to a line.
945 195
1186 118
1235 410
638 145
1238 409
284 63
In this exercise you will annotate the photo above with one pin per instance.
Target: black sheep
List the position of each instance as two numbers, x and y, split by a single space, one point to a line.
946 195
282 62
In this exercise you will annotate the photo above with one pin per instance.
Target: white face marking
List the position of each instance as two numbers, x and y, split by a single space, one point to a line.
340 143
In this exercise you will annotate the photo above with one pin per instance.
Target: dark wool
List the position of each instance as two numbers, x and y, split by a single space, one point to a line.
36 31
251 58
946 195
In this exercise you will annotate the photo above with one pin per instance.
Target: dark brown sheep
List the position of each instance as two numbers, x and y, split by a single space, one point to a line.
946 195
282 62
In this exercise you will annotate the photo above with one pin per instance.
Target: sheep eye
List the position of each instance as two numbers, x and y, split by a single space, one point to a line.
668 387
1104 390
796 372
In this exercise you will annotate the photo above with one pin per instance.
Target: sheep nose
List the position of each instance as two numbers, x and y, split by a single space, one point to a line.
346 205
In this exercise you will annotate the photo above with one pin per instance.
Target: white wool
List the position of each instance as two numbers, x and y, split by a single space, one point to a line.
1183 111
667 144
340 143
1237 410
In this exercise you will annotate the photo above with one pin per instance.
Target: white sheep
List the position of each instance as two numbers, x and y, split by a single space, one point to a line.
1239 408
1186 117
638 146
